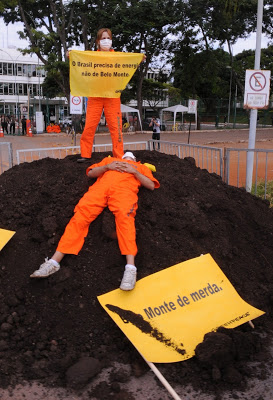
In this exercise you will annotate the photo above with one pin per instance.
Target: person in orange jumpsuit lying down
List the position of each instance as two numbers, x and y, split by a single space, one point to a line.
117 186
95 105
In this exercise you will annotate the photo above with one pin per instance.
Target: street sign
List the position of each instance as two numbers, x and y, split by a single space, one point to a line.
192 106
75 104
257 88
39 122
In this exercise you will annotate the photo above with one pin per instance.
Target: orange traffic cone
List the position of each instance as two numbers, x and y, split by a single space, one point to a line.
1 132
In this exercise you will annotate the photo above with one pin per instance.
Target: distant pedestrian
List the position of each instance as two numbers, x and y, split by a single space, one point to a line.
4 124
24 125
155 124
12 125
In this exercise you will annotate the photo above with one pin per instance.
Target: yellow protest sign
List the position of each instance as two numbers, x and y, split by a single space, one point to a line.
168 313
5 236
100 73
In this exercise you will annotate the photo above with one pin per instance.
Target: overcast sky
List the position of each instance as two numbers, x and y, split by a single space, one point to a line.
9 37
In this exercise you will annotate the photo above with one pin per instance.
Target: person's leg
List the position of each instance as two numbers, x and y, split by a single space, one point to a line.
86 211
154 138
158 138
124 211
93 115
130 259
114 121
76 230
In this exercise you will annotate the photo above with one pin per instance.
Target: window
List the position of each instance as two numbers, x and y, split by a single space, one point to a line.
19 69
10 69
20 88
25 92
24 70
29 72
11 88
6 88
7 109
5 69
63 112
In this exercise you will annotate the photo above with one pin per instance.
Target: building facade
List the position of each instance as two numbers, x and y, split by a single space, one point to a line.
21 93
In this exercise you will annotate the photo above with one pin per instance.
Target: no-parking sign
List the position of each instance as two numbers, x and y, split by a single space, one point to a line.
257 88
192 106
75 104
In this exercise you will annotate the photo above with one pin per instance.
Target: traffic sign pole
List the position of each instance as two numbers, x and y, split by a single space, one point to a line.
254 112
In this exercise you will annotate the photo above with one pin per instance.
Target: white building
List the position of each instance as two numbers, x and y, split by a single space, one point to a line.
21 78
160 101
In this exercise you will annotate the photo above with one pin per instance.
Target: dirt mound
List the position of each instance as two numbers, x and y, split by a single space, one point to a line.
49 326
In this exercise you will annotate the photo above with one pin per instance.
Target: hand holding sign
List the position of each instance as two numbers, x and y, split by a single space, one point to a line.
101 74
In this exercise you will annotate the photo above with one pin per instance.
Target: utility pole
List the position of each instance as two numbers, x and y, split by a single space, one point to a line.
254 112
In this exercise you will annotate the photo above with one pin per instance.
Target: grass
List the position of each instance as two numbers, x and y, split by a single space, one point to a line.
260 191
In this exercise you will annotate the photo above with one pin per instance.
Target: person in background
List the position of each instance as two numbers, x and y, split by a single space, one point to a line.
4 124
12 125
24 125
155 124
117 185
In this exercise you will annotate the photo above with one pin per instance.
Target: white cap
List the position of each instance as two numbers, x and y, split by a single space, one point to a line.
129 154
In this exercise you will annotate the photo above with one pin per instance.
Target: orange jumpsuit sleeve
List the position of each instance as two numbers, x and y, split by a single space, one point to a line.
141 168
105 161
147 172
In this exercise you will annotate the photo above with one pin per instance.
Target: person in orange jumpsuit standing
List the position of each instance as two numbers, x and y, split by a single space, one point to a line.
96 105
117 186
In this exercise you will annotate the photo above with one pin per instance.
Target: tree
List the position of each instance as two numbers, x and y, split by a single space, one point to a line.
223 21
52 27
144 26
200 74
46 26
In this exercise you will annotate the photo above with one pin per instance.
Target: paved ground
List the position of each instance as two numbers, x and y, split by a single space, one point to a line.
217 138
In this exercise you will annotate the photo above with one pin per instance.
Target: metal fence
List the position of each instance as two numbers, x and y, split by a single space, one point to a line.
235 168
6 156
230 164
61 152
210 158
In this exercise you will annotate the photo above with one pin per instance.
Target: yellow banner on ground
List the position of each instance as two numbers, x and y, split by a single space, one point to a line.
168 313
100 73
5 236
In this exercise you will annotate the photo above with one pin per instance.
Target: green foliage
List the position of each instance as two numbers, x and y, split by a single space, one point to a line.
259 191
181 33
203 74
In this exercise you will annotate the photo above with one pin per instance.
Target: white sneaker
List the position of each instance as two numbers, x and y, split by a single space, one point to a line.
129 279
46 269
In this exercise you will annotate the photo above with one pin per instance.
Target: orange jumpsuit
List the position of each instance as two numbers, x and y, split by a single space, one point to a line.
119 192
112 112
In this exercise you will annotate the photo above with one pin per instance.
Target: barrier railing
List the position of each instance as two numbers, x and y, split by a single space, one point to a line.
30 155
230 166
235 168
6 156
210 158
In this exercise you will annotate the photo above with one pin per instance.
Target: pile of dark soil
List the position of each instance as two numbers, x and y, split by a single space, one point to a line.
47 326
